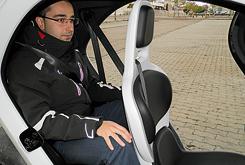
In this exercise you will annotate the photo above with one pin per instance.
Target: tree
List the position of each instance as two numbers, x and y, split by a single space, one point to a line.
194 8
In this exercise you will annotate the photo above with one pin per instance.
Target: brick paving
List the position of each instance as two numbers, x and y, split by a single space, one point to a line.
208 108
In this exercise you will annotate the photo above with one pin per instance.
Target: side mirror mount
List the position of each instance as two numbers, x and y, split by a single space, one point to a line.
236 39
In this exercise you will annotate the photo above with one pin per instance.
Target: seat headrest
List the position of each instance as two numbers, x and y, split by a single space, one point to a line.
145 26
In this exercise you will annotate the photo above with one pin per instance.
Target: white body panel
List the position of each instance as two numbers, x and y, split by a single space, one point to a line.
11 13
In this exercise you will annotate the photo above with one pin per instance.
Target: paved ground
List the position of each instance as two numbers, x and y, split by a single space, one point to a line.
208 109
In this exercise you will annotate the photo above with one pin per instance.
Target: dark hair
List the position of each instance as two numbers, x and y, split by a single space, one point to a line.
46 9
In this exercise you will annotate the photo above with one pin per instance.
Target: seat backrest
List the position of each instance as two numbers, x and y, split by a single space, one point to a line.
144 118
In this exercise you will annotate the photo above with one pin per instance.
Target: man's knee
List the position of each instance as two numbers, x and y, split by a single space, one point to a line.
125 154
127 148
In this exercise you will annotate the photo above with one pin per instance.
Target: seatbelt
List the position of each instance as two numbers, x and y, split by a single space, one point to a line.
105 42
97 52
98 58
142 81
54 62
30 138
86 61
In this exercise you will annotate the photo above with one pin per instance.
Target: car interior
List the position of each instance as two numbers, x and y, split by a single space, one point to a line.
147 90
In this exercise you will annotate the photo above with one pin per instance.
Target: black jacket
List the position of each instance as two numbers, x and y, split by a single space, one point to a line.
55 105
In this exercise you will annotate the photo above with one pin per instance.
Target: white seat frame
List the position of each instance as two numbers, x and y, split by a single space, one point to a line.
143 148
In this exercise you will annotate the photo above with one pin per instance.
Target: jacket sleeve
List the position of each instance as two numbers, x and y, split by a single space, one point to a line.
101 92
32 94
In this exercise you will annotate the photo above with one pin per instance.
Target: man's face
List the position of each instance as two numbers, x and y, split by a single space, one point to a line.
63 31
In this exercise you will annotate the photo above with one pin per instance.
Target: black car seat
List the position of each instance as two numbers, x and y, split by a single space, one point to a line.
147 95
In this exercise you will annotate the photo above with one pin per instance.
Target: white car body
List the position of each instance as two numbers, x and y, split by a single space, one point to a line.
12 13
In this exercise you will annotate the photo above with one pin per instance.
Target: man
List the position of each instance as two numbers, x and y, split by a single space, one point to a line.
59 107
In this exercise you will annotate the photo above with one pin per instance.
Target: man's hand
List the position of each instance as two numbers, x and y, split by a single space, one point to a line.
110 128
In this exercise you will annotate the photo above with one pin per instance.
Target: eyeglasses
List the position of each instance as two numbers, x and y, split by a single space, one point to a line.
63 21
